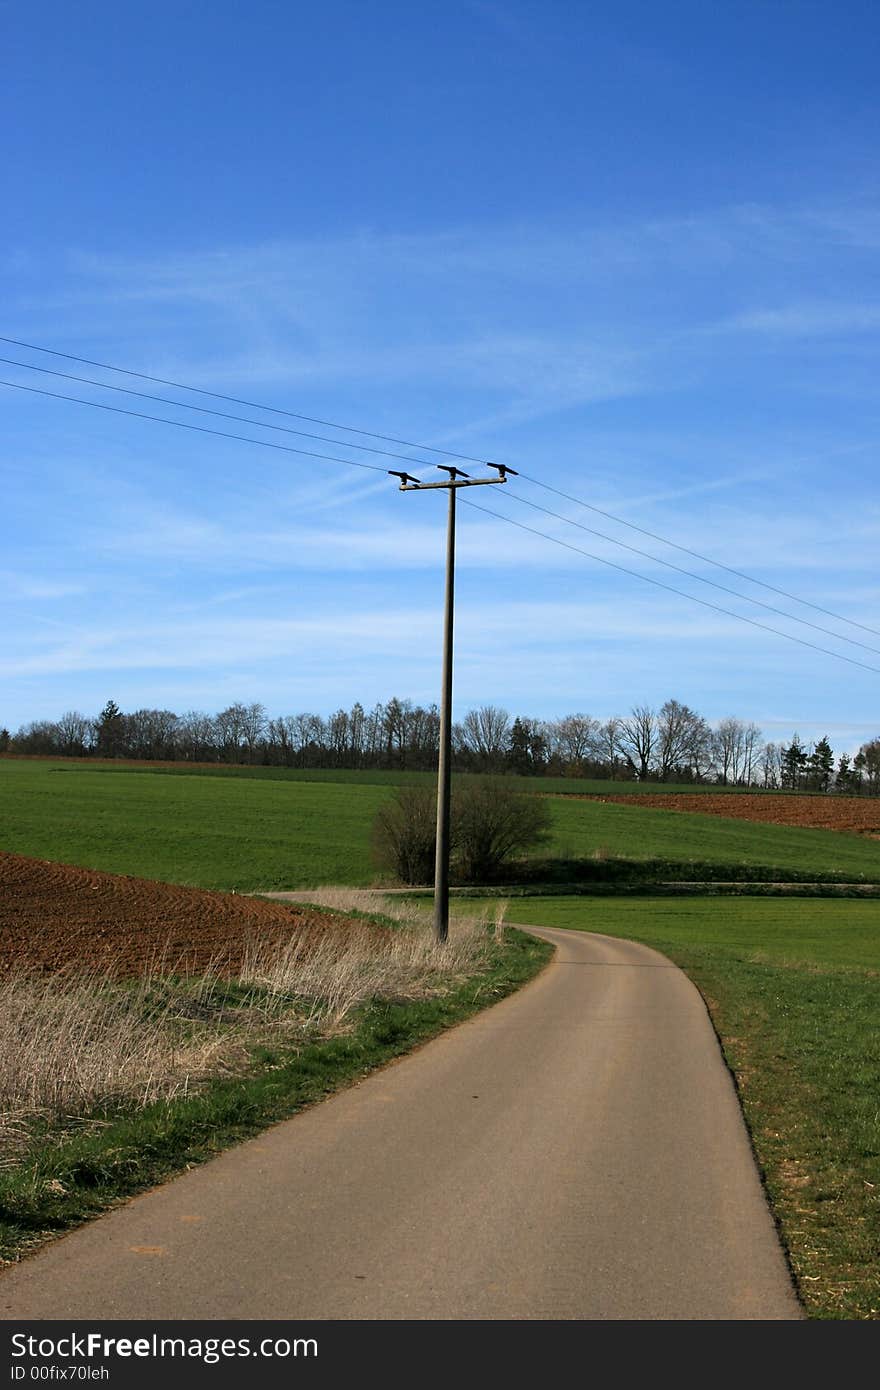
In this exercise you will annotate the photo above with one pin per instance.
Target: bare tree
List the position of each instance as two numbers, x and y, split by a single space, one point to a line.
608 744
394 730
869 753
356 730
753 742
195 737
638 738
151 733
309 736
729 743
239 729
253 728
702 752
485 734
575 737
74 734
279 749
39 737
373 734
423 735
338 731
771 765
229 731
681 734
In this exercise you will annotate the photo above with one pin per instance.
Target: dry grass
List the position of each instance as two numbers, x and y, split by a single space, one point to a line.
73 1047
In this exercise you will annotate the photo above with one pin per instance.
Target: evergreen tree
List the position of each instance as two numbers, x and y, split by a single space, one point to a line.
110 731
821 765
794 760
538 749
519 754
858 770
843 779
528 749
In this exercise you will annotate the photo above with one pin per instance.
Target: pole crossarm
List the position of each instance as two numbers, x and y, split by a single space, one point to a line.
458 482
455 480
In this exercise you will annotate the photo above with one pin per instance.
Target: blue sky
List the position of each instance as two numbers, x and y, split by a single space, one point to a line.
631 250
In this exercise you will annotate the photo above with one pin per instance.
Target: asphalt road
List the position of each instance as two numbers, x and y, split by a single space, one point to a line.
577 1151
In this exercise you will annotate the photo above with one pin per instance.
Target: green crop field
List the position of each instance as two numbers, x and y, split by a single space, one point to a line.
585 828
254 833
557 786
207 832
793 986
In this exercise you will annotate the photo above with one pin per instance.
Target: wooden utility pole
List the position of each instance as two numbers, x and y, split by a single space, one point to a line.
456 480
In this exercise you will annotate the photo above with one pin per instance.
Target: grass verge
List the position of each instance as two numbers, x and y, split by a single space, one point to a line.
62 1174
793 988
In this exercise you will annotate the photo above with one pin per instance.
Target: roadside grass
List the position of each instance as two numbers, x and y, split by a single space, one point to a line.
257 834
109 1087
793 988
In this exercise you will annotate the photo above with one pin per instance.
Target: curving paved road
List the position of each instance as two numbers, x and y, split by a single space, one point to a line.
577 1151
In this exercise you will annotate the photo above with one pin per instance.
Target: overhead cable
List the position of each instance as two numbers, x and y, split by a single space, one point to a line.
423 448
658 583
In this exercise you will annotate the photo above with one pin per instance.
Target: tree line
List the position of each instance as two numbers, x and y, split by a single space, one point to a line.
670 744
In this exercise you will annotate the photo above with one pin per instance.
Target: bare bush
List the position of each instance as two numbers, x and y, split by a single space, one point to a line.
405 834
492 821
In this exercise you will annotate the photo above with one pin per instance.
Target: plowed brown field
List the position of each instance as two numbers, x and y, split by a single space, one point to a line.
54 917
858 815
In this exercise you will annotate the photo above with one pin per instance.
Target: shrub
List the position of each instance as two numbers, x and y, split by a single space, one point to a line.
405 834
492 821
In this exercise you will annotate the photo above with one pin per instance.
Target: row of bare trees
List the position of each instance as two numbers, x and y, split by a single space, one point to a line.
672 743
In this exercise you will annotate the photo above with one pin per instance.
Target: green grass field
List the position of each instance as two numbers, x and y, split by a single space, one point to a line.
207 832
251 833
557 786
585 828
793 986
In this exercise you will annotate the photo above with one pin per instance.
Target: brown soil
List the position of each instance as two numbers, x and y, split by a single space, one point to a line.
54 917
857 815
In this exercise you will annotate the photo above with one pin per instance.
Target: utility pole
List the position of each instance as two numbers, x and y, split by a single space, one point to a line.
456 480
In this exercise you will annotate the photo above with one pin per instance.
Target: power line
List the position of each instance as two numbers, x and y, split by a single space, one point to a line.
237 400
695 554
679 569
374 468
199 429
424 448
658 583
206 410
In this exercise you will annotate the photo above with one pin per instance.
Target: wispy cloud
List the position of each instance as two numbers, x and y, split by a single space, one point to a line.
25 586
807 320
522 322
206 642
